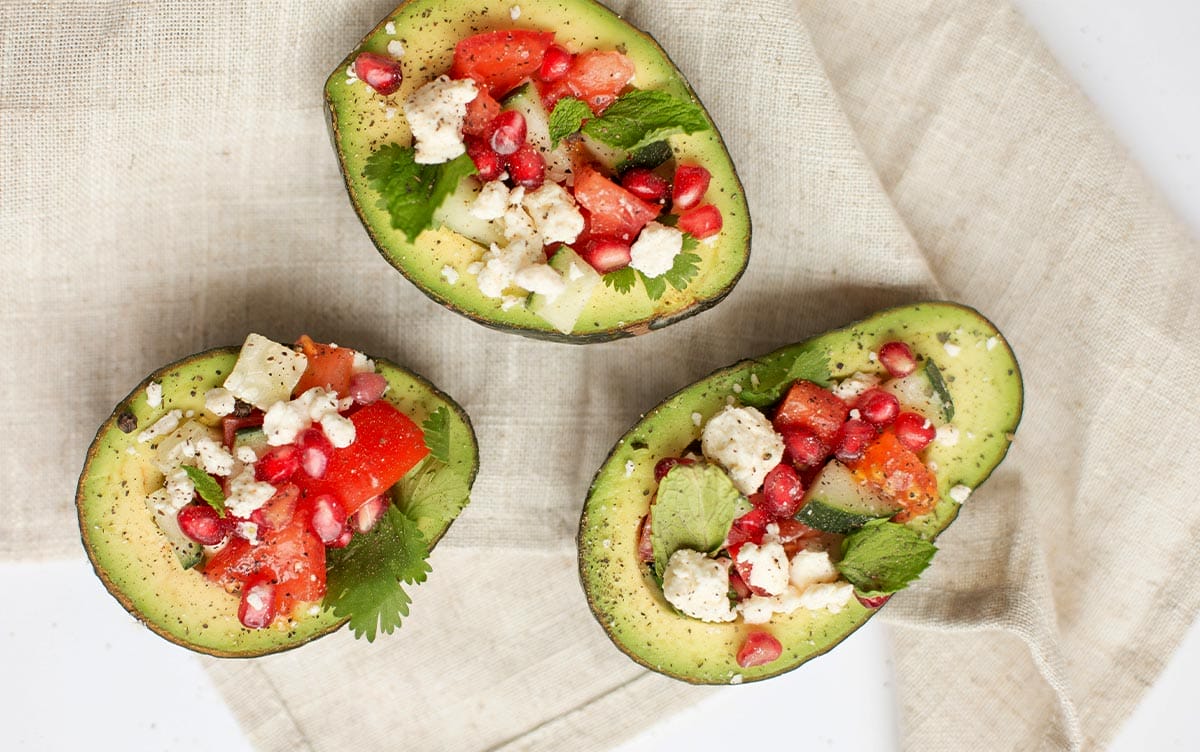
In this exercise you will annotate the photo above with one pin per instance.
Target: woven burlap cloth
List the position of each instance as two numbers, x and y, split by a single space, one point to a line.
167 184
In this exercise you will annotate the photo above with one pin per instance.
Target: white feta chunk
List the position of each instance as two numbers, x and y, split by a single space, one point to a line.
810 567
500 265
492 201
180 489
339 430
744 442
362 364
947 435
849 388
831 596
951 349
247 494
246 455
554 214
395 48
450 274
213 457
654 251
698 586
154 394
960 493
768 566
161 427
247 530
220 401
265 372
435 114
541 279
518 225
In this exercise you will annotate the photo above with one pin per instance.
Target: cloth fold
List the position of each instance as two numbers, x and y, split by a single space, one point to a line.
174 188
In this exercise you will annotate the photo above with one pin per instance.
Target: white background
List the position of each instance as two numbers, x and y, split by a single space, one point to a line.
79 672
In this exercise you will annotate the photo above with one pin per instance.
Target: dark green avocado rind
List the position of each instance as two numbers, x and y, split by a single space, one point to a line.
429 29
987 390
133 559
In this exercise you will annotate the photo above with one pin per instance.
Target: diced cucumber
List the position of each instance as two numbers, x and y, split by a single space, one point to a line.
838 503
166 517
455 214
564 310
924 392
253 438
526 101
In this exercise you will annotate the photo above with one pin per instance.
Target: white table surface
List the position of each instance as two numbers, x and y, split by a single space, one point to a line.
81 673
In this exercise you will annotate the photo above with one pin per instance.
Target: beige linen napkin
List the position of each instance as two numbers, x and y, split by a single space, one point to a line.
166 184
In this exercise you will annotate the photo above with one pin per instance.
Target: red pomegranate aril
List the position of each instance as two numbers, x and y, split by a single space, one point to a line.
878 407
874 601
738 585
526 166
606 254
663 466
278 465
555 64
646 185
315 452
508 132
751 527
759 649
782 491
691 183
257 609
201 523
488 163
366 388
898 359
914 431
366 517
853 440
482 112
701 222
343 540
279 509
645 547
328 518
804 447
383 74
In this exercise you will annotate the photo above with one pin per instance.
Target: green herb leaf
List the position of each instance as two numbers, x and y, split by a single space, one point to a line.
366 578
648 157
412 192
776 373
207 487
939 388
884 557
696 506
437 433
686 266
567 118
655 286
622 280
640 118
429 492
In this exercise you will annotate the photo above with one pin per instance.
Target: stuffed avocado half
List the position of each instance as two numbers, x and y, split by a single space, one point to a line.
266 549
755 519
540 167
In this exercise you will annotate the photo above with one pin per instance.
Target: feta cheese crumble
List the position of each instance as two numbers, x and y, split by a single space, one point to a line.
395 48
769 570
154 394
947 435
161 427
220 401
654 251
744 442
951 349
541 279
851 387
449 274
247 494
698 586
960 493
554 214
491 202
435 113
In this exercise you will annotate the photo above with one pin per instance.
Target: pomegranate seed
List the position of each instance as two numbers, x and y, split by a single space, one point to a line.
279 509
201 523
751 527
759 649
691 182
878 407
898 359
257 609
343 540
701 222
278 465
873 602
328 518
527 167
606 254
366 388
555 64
804 447
645 546
315 452
488 163
853 440
738 585
663 466
367 516
782 491
914 431
646 185
382 74
508 132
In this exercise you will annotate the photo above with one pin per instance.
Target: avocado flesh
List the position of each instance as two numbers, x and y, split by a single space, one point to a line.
986 387
429 29
135 560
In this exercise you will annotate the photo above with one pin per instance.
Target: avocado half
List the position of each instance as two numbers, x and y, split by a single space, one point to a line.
428 29
985 382
133 558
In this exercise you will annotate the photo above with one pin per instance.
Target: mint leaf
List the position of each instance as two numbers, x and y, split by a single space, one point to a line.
437 433
884 557
695 507
566 118
207 487
622 280
778 371
655 286
431 491
647 157
366 578
412 192
939 388
640 118
686 266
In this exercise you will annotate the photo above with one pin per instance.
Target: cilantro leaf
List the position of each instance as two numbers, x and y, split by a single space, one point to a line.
412 192
427 492
207 487
655 286
686 266
566 118
622 280
696 506
939 388
777 372
641 117
437 433
366 578
884 557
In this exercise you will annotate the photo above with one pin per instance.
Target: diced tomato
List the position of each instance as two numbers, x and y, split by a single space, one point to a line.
759 649
481 111
598 76
890 465
809 405
704 221
874 601
613 211
279 510
387 445
551 92
329 367
500 60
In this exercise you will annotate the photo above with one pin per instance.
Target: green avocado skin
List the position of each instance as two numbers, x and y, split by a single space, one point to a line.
984 380
133 558
429 29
